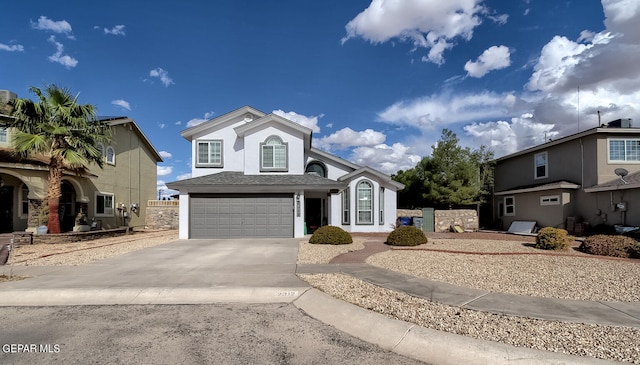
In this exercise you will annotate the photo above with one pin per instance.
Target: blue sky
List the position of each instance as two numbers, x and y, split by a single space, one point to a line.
377 81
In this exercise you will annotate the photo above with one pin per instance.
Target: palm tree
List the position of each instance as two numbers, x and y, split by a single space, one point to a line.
61 129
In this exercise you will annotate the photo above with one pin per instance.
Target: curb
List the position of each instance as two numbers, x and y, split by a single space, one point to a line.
425 344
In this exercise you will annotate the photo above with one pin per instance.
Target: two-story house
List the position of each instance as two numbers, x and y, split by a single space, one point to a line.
257 175
592 176
113 196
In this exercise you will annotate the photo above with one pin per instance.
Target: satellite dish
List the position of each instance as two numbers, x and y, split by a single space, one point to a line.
622 173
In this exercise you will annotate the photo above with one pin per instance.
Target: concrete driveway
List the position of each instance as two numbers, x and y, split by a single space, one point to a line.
180 272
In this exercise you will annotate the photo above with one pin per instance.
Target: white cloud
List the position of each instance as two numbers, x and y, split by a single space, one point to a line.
164 170
60 26
117 30
11 47
438 111
162 75
388 159
309 122
347 137
184 176
121 103
493 58
427 24
58 57
195 121
165 154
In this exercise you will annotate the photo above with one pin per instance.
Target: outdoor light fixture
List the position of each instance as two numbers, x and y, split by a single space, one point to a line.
134 207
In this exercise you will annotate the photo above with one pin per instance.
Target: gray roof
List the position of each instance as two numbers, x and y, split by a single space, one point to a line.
235 181
631 181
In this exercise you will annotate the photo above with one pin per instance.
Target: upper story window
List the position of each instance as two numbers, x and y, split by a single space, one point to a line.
111 155
541 161
273 155
624 150
316 168
365 203
209 154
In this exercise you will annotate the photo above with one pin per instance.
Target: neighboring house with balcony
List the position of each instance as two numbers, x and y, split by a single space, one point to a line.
257 175
122 188
576 178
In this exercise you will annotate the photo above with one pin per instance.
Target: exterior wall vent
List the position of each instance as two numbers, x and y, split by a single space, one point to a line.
620 123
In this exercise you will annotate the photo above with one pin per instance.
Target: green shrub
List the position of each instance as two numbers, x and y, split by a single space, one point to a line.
406 236
550 238
610 245
331 235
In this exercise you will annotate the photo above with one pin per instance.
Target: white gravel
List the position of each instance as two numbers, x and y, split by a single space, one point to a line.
321 254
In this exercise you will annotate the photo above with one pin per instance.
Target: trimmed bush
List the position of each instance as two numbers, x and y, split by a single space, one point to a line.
406 236
610 245
550 238
331 235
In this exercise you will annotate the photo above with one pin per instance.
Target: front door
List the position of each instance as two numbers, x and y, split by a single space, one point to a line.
6 209
313 214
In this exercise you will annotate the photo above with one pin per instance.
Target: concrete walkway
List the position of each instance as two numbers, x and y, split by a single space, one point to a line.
579 311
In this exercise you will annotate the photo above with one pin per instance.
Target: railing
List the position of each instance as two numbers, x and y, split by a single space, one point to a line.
163 203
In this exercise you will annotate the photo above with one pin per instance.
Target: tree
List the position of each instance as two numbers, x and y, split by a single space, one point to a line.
451 176
61 129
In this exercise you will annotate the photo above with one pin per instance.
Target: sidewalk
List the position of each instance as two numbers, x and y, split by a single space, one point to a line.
579 311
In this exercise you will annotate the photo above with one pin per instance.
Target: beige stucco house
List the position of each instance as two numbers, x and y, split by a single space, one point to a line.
591 177
111 197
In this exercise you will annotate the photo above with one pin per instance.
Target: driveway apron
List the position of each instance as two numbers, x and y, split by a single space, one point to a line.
180 272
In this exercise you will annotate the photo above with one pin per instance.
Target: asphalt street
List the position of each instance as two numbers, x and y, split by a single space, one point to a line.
234 333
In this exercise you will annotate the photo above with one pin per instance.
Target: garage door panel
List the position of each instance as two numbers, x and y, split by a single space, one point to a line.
241 216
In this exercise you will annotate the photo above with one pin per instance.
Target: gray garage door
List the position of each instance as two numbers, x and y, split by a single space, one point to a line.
241 216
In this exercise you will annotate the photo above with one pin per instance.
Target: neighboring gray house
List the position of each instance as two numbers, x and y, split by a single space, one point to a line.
257 175
575 178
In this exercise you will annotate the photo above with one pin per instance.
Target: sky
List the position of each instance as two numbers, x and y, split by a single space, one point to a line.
377 81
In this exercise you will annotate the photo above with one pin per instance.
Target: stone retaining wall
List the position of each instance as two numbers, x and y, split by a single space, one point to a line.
467 219
162 214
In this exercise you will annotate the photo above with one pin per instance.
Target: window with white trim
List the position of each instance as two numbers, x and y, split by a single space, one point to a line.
346 209
104 205
541 161
273 153
365 203
624 150
550 200
111 155
24 201
381 202
509 206
209 153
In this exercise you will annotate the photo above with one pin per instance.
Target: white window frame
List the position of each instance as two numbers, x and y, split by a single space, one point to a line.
211 162
281 145
512 205
24 213
381 205
626 147
111 160
360 208
346 206
545 156
108 211
550 200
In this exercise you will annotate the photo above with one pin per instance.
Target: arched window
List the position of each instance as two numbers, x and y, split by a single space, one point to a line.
316 168
273 155
365 203
111 155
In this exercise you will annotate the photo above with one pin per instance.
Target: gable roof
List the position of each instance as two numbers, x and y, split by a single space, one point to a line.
113 121
190 133
631 181
588 132
334 158
366 170
236 181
